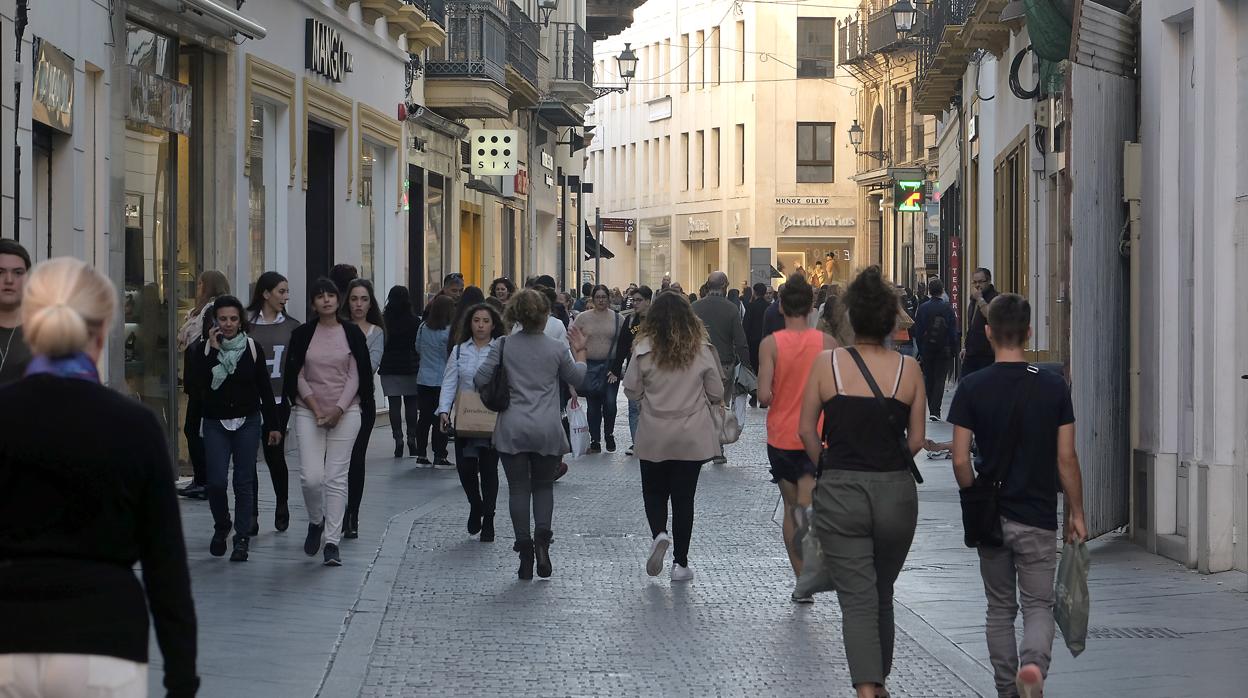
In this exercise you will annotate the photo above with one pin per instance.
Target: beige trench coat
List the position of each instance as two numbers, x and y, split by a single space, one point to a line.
675 421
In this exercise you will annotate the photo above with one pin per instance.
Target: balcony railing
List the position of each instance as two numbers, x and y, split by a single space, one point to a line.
882 32
522 48
944 13
851 46
573 53
476 41
435 10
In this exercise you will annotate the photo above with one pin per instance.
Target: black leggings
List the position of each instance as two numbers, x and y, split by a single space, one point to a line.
427 399
195 442
479 477
397 404
676 480
359 451
275 459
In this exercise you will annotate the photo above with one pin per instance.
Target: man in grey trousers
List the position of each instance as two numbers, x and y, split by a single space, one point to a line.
1042 455
723 323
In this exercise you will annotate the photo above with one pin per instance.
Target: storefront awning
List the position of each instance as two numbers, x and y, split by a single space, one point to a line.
592 248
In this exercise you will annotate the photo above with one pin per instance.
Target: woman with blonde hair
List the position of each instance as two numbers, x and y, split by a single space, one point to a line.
529 436
87 493
675 374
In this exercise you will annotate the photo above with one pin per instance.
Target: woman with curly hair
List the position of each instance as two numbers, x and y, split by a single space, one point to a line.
865 503
676 376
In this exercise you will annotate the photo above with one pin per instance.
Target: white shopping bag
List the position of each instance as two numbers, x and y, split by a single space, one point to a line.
578 426
738 408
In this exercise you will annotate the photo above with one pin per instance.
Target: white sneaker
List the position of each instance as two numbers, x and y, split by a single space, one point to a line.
629 452
681 573
658 553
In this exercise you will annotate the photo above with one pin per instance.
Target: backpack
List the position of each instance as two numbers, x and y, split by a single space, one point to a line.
936 338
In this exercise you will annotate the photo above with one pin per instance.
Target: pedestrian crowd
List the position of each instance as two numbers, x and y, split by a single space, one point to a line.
521 377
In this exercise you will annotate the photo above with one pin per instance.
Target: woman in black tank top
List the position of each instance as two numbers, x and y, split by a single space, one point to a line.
866 505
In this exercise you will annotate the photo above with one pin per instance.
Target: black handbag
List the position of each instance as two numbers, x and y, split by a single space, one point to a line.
898 429
981 507
496 393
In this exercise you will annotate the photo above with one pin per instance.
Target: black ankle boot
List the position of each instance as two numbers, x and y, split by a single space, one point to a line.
281 519
411 445
525 548
351 525
487 528
398 447
474 520
541 550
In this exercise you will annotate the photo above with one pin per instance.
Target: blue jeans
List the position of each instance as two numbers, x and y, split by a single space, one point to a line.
220 444
634 413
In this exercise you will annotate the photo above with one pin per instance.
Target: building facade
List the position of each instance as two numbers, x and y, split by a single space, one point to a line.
1189 304
162 138
729 149
896 156
1035 104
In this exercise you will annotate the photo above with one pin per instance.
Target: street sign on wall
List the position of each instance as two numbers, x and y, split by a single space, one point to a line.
955 275
493 151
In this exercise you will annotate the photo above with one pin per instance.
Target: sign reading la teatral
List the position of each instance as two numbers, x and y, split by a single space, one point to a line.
324 52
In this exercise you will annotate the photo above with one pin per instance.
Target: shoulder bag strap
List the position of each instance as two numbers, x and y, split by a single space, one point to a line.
1003 455
898 429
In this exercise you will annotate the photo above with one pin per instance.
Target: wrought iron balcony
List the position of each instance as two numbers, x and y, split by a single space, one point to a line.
882 34
573 53
524 44
851 42
943 13
476 42
435 10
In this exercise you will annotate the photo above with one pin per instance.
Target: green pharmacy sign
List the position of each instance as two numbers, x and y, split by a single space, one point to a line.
909 196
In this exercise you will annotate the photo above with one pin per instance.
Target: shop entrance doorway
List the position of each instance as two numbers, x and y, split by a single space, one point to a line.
319 209
471 246
703 259
415 230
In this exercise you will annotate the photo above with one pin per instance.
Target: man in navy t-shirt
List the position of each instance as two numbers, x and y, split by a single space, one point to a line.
1044 458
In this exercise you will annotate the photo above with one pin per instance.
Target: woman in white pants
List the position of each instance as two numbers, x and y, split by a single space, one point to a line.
329 380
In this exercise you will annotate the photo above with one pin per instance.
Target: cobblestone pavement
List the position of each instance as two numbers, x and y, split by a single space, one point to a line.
421 609
458 619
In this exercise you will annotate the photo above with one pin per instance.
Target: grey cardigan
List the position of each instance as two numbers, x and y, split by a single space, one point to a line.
536 365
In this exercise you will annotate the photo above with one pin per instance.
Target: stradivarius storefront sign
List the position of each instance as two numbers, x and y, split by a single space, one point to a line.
324 52
787 222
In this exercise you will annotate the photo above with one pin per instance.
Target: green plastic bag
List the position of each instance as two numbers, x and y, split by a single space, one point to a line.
816 573
1070 596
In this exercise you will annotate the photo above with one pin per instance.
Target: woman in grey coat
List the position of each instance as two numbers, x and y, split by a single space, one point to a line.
529 436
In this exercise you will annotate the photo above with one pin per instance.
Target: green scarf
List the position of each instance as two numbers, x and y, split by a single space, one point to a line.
227 358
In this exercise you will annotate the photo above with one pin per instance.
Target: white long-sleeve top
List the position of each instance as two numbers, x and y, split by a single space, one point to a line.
461 367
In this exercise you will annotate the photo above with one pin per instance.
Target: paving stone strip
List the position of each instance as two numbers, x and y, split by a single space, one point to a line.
458 620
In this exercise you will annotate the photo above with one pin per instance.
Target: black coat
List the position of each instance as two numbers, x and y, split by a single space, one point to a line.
243 392
297 353
399 356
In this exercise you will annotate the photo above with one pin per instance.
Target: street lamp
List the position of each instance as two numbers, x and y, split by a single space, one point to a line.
904 15
855 135
855 139
626 64
546 8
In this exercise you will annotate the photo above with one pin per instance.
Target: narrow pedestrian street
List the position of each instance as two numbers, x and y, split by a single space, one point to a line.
419 608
